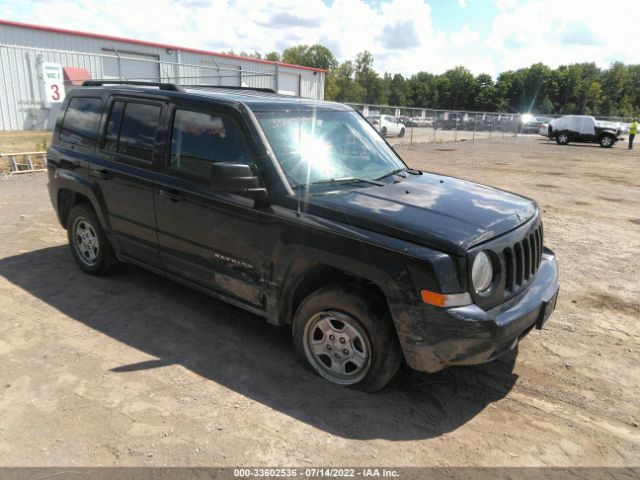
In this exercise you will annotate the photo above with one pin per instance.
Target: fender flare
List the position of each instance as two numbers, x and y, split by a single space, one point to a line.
79 184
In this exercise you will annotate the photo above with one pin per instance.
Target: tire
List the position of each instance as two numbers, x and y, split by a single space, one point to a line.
401 133
562 138
89 245
383 132
606 141
345 322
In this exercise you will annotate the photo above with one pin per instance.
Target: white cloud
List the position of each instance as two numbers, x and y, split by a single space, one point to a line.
400 33
564 32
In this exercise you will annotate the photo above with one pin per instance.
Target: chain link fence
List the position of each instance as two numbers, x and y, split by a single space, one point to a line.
25 101
409 125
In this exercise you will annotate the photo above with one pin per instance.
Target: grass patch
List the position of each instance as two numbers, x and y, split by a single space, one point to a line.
22 141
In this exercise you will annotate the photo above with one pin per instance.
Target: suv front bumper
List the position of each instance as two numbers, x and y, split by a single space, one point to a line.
433 338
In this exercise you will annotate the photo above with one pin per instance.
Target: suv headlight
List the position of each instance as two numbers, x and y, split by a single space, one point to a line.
482 272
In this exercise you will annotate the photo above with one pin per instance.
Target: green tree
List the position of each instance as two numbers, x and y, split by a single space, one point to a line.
399 91
459 88
485 94
316 56
273 56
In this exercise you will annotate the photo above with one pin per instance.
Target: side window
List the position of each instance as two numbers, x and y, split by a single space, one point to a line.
198 139
113 127
138 130
131 129
80 121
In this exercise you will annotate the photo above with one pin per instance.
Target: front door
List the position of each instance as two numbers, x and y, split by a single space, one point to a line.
209 237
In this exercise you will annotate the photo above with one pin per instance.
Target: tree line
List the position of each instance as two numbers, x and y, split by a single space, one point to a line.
580 88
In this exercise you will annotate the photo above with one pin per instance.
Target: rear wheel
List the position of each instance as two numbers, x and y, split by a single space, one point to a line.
345 337
89 245
607 141
562 138
383 132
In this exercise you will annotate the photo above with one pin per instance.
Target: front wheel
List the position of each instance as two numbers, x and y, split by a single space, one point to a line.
607 141
345 337
401 133
89 245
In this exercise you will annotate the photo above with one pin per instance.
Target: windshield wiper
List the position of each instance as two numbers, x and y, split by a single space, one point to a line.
346 180
399 170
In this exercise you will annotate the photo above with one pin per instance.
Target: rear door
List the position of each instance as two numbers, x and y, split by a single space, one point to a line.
209 237
124 173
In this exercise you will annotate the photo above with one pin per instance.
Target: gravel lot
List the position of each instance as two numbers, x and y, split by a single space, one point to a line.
133 369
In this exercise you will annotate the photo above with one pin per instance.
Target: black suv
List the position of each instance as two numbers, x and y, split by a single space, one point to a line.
299 211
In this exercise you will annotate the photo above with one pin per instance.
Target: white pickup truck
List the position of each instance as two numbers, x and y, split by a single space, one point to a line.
584 129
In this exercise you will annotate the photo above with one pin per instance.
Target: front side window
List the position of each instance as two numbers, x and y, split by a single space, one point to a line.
80 122
199 139
317 147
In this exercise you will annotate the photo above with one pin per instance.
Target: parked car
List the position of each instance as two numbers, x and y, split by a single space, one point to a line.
407 121
534 124
546 128
584 129
297 211
455 121
387 125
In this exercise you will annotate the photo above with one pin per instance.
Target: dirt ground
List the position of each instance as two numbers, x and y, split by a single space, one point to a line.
133 369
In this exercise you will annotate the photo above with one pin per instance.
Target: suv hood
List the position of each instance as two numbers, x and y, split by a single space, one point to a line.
444 213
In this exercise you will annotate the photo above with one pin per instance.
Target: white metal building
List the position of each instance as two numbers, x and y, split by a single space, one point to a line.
38 63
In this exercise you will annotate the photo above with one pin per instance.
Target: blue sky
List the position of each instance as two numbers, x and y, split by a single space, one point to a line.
404 36
449 16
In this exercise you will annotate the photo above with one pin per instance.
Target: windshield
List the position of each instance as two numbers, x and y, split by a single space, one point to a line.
319 147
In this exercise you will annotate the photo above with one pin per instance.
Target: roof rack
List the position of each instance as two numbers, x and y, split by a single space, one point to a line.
224 87
162 86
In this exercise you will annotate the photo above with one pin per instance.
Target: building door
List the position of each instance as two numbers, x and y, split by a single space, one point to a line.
289 84
130 66
220 74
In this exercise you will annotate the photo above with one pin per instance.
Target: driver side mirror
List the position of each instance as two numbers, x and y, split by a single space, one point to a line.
236 178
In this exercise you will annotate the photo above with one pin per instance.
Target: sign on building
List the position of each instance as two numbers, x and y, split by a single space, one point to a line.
53 82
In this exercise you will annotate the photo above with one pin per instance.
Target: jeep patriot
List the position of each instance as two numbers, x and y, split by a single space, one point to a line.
300 212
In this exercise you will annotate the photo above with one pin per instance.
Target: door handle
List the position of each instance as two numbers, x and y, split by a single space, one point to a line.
171 194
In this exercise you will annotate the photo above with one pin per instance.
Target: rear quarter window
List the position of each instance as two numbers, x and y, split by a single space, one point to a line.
80 122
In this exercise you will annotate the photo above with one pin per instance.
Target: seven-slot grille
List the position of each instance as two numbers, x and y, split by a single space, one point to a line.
522 260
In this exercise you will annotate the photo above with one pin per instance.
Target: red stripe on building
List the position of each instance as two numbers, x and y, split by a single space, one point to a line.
151 44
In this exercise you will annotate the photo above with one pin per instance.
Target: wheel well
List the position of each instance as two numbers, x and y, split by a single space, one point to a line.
320 276
67 199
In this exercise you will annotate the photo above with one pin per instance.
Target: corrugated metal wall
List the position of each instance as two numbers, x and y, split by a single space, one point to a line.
22 51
